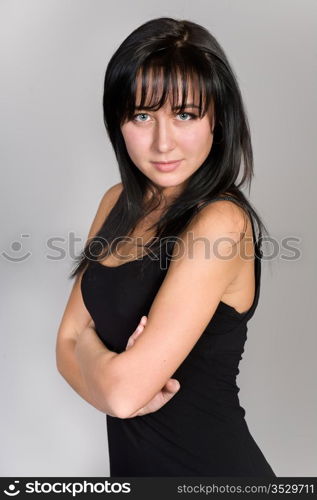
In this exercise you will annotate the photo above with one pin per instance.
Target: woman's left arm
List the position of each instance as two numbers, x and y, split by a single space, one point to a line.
183 307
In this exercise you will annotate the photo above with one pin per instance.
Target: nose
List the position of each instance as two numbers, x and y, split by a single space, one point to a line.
163 136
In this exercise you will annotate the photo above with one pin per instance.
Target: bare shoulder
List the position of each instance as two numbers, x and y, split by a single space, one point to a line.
115 190
227 229
224 211
221 219
106 204
111 196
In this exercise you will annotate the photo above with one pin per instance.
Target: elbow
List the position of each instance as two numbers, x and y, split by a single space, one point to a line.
118 396
59 364
117 404
117 389
101 390
124 402
105 405
124 411
111 394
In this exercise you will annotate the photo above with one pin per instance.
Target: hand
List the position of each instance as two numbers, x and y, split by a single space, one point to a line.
166 393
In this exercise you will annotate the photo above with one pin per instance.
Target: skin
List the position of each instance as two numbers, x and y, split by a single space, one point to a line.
169 390
166 135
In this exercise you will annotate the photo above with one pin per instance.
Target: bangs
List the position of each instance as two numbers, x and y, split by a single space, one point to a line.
186 82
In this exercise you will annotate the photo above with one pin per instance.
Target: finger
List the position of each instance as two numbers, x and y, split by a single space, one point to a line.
141 324
138 330
134 336
143 320
172 385
168 394
129 343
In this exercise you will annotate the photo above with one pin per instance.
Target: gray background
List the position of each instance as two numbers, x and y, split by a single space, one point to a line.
56 163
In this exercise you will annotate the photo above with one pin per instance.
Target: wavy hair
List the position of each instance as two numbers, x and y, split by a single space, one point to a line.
167 48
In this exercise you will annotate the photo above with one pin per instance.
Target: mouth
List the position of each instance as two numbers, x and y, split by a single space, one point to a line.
166 166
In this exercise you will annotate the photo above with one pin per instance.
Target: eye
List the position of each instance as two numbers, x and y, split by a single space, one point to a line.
191 115
139 114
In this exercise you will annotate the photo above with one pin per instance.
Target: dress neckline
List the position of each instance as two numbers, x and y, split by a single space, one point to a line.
221 303
257 271
140 259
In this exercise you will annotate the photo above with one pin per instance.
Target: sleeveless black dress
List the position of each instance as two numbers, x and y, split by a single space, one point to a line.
201 431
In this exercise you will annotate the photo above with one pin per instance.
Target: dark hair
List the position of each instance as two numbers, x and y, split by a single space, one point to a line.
174 47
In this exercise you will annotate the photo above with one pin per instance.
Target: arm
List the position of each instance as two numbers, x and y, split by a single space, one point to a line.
72 373
89 352
183 307
76 317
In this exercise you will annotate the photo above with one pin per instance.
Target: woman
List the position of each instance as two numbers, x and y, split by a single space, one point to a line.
175 117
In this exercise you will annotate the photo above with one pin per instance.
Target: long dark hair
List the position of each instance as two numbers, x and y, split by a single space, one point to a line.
173 47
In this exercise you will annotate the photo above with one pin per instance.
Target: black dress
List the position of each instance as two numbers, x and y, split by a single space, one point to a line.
201 431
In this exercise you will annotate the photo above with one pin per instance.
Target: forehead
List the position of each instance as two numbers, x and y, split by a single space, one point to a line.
150 87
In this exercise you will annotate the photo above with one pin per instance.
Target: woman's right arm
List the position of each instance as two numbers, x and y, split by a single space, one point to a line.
76 317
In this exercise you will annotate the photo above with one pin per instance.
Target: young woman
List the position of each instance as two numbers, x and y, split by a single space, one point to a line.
173 250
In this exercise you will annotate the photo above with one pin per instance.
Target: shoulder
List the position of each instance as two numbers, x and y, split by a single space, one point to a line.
224 211
105 206
220 219
109 199
116 188
111 195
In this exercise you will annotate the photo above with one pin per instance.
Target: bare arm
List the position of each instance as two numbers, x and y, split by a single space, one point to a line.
180 312
76 317
72 373
88 352
78 350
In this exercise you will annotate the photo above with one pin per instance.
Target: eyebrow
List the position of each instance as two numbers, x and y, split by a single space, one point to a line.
174 107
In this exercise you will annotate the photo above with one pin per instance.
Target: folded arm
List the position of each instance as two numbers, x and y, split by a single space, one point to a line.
90 351
186 301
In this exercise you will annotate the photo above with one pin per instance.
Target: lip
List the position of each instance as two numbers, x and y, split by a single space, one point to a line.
166 167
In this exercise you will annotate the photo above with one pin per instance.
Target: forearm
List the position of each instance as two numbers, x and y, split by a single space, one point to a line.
91 355
77 362
69 368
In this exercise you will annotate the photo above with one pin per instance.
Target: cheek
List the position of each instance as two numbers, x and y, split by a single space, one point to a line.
197 139
134 140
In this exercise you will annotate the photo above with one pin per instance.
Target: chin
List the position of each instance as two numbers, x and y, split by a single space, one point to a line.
168 184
